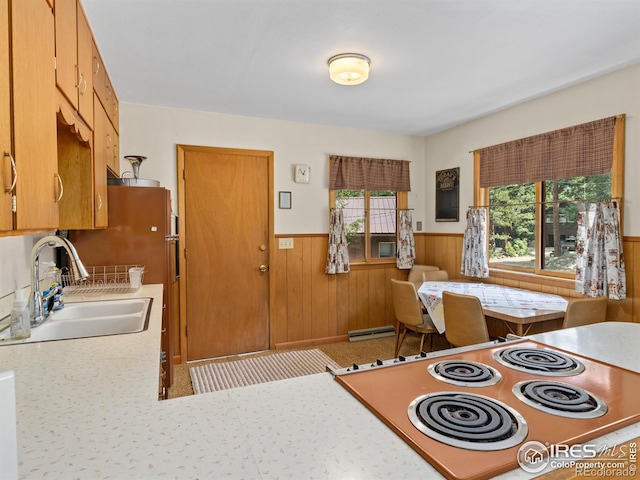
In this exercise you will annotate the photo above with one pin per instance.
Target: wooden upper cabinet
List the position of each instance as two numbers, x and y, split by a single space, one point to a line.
38 186
27 116
67 71
74 57
104 89
6 170
85 60
101 155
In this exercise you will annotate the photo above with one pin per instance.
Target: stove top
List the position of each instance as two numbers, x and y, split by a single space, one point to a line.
540 362
464 373
482 405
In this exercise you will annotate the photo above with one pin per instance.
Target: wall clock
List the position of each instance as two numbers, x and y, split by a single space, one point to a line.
302 174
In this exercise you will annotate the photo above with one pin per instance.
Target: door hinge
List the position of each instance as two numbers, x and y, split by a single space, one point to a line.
14 203
186 330
184 174
55 63
185 253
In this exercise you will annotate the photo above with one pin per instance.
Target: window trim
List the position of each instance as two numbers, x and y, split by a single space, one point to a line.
481 197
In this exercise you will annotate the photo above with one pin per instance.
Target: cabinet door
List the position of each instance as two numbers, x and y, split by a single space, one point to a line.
101 158
114 112
34 114
67 72
85 64
114 154
6 174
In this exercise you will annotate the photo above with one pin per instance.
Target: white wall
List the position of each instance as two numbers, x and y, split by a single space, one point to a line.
154 132
15 253
612 94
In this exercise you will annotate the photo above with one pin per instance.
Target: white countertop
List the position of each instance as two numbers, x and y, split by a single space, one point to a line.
88 408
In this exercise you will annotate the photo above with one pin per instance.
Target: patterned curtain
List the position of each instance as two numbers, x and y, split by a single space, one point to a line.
600 267
474 245
338 253
406 255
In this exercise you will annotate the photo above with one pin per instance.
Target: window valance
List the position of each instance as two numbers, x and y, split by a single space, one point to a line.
357 173
581 150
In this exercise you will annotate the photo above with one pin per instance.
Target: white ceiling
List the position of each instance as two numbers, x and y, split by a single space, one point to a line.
434 63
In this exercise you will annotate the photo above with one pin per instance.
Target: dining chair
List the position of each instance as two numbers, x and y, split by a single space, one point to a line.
408 313
464 320
585 311
415 274
435 276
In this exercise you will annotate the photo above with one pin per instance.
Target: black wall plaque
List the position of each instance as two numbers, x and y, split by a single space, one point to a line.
447 195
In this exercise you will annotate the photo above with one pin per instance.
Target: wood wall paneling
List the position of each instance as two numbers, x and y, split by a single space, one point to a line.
310 307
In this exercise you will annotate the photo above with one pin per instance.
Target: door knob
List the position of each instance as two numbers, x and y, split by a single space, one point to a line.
263 268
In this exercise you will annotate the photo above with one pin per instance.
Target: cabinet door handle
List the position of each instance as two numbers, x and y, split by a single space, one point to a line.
14 173
78 77
84 86
96 68
98 202
61 187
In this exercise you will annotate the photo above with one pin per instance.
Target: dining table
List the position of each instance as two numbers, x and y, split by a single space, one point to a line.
518 308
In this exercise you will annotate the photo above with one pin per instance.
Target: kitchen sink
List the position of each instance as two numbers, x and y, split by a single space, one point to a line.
90 319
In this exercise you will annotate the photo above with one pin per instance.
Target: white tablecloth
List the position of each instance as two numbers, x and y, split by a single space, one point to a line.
490 296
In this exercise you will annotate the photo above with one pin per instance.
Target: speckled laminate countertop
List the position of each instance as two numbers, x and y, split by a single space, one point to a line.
88 408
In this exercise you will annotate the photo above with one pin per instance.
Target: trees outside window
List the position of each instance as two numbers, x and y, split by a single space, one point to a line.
533 226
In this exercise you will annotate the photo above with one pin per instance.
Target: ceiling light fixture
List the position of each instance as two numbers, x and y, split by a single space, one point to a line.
349 68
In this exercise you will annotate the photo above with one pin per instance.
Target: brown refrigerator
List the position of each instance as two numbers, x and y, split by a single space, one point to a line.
139 233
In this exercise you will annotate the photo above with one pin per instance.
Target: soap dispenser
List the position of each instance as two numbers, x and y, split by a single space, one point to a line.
20 318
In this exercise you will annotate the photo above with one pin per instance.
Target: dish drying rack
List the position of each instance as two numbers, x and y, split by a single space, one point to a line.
102 280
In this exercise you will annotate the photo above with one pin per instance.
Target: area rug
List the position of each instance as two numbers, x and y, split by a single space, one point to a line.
250 371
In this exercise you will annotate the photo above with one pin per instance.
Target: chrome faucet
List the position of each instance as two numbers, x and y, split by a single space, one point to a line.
38 315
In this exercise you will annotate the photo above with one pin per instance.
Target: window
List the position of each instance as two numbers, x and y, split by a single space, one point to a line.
514 224
370 219
532 188
369 192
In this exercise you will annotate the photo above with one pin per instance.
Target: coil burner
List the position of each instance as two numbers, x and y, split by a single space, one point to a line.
538 361
469 421
560 399
464 373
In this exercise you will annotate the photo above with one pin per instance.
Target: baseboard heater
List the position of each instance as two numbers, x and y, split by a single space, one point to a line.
371 333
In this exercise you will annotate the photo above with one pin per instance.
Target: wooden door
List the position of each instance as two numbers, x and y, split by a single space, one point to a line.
227 228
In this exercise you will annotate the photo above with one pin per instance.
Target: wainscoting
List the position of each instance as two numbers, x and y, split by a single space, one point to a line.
309 307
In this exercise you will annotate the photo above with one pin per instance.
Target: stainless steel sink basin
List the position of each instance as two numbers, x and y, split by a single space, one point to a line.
90 319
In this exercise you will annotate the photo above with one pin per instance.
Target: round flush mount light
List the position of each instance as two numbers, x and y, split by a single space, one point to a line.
349 68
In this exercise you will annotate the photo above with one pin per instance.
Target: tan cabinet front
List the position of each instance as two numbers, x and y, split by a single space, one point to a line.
38 186
74 57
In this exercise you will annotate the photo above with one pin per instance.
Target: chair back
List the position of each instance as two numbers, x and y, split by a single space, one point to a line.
406 305
585 311
435 276
464 320
415 274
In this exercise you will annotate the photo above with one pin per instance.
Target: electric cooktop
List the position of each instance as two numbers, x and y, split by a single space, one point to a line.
469 413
